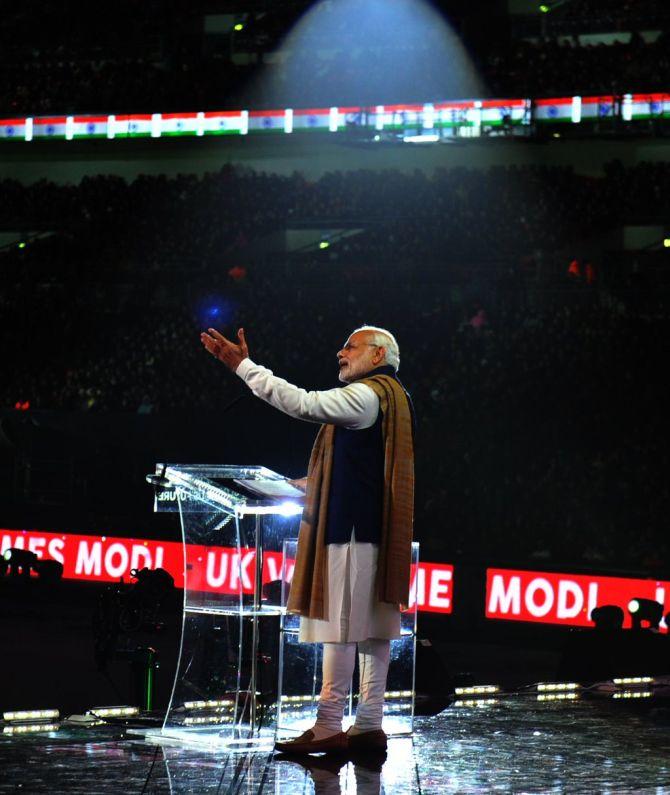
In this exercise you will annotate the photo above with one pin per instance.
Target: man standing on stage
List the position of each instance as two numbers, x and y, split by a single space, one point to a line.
353 560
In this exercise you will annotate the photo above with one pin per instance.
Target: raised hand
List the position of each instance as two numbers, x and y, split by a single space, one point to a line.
223 349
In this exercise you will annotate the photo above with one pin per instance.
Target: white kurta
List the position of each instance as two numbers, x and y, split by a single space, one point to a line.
354 613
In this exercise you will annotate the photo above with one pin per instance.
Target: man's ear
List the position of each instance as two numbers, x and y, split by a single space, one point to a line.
380 355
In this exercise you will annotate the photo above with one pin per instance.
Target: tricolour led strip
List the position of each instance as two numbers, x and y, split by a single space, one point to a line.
473 113
242 122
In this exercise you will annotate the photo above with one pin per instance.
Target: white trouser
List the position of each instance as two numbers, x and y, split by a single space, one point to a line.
338 668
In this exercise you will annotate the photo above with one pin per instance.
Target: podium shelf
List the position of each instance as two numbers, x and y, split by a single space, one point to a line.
215 610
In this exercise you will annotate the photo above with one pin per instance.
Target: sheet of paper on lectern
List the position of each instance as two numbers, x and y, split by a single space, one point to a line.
271 489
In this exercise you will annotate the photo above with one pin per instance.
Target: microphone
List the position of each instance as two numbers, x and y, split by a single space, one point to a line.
158 479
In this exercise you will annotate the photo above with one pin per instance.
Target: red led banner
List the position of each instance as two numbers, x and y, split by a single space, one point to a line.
433 587
566 599
512 595
211 569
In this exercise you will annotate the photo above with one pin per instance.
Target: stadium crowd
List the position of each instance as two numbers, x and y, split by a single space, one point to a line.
591 16
563 67
193 224
540 426
42 86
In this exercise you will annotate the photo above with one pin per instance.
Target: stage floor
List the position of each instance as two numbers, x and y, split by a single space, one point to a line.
517 745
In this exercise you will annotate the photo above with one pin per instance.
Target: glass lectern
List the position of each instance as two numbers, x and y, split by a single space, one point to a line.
234 521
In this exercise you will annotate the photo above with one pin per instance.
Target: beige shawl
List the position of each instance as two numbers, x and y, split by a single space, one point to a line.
309 587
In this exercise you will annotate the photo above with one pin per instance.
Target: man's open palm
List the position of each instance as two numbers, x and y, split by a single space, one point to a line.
225 350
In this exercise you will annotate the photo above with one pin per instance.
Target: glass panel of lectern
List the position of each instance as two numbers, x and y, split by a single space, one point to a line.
300 666
234 521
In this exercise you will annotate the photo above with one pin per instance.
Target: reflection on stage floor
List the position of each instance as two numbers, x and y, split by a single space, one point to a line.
516 744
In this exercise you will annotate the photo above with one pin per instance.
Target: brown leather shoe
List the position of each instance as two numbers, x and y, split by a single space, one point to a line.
367 741
306 744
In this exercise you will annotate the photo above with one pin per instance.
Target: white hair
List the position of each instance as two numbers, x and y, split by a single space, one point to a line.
386 340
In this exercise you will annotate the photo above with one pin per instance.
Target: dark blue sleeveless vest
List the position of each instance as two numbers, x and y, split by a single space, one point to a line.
357 480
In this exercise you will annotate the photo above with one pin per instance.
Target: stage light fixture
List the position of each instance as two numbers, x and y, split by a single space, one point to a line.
113 712
608 617
238 27
292 713
545 8
648 610
49 570
19 561
209 703
476 690
299 699
634 680
210 715
31 714
557 687
204 720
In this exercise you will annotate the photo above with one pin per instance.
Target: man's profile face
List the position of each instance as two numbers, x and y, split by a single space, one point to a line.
358 356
